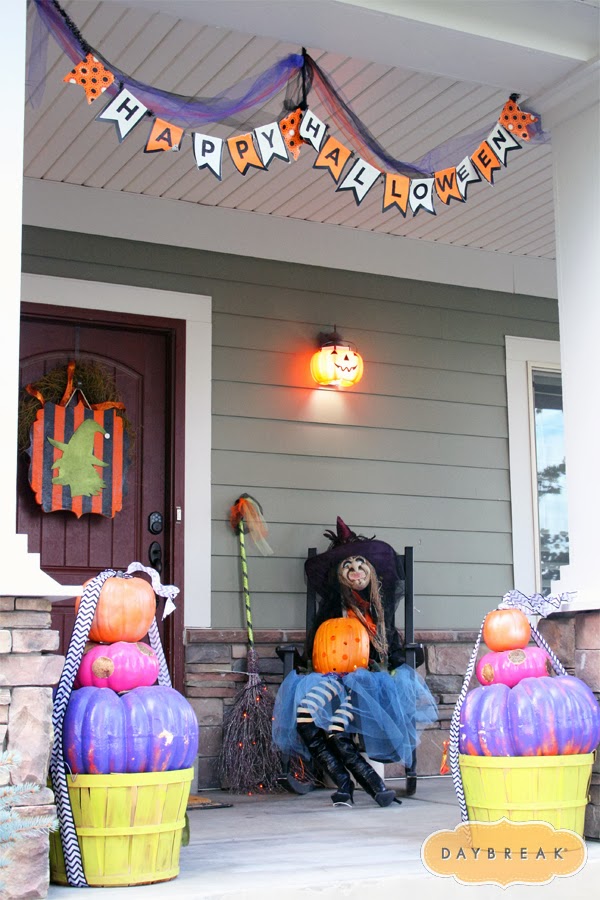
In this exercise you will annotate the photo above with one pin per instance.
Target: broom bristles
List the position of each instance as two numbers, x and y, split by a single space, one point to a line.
248 760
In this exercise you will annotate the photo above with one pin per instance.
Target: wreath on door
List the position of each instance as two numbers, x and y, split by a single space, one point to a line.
73 426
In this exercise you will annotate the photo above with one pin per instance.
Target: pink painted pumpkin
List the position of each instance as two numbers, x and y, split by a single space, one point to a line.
511 666
121 666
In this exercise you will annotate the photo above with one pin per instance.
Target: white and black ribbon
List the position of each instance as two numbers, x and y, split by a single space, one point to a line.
81 629
455 731
536 604
169 591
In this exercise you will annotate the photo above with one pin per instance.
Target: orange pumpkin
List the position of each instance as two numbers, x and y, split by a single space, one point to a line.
341 645
506 629
125 610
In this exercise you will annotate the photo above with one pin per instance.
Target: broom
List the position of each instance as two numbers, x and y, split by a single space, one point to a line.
248 761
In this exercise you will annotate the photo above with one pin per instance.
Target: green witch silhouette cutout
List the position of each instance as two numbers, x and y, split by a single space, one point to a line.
76 465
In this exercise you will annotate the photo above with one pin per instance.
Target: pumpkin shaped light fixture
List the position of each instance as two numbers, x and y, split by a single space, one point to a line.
337 363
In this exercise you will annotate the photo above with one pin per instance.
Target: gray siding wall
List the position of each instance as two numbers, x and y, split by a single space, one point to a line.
417 453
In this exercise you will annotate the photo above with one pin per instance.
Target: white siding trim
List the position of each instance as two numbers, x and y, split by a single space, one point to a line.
196 310
521 355
158 220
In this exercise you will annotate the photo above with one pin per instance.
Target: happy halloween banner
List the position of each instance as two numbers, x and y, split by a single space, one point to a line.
281 140
356 165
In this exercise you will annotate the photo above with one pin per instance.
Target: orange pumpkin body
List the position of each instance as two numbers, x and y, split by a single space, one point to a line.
341 645
125 610
506 629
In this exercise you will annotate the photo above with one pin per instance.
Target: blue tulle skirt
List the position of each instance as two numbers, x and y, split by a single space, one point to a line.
388 710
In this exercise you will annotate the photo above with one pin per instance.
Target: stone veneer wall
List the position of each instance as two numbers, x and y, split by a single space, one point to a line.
575 638
28 670
216 663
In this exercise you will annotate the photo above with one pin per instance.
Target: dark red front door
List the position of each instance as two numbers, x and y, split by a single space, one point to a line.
146 358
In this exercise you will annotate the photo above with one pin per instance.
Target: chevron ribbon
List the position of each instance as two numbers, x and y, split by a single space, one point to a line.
455 731
81 629
536 604
164 678
161 590
169 591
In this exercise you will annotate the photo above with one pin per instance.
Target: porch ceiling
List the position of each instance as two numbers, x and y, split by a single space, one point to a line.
450 81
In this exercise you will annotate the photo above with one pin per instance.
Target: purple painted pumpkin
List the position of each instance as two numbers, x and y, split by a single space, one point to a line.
538 717
511 666
121 666
148 729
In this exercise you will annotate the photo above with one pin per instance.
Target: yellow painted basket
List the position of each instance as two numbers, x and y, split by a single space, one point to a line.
129 827
550 789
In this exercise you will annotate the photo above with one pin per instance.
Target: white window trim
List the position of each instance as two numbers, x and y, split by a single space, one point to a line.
522 356
196 311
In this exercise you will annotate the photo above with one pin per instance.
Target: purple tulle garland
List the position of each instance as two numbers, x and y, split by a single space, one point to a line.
187 112
297 72
356 131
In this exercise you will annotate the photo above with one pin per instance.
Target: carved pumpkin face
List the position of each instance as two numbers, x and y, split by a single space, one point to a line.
337 365
355 573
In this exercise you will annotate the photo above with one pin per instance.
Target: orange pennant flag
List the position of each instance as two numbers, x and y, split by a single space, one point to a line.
243 153
333 156
519 122
93 77
446 185
396 191
163 136
485 161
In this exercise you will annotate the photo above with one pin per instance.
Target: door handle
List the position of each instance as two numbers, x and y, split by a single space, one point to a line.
155 556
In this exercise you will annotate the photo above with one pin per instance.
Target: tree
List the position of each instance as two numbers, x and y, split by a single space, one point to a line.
554 553
554 548
550 479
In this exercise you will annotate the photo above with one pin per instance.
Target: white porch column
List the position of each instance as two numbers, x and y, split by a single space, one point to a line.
576 160
20 574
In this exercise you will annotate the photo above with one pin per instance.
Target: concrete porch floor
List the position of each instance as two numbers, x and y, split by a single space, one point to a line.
301 848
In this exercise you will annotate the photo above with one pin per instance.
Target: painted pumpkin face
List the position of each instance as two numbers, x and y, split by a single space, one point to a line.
355 573
346 364
337 365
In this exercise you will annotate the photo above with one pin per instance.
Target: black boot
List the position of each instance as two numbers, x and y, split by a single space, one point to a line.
321 750
366 776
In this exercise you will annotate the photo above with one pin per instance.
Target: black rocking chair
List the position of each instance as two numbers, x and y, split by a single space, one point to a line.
292 656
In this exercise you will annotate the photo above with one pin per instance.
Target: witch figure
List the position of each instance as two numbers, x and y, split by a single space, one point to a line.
320 713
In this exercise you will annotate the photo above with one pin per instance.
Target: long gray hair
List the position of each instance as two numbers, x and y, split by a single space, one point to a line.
350 600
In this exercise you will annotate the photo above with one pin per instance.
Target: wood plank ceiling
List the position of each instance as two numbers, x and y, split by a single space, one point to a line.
409 112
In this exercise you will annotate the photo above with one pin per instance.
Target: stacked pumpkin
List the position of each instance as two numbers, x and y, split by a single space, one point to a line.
521 710
118 719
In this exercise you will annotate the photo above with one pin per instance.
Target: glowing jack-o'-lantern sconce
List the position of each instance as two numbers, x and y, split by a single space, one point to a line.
337 363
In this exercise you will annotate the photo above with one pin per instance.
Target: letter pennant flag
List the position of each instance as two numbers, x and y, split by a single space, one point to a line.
125 111
283 139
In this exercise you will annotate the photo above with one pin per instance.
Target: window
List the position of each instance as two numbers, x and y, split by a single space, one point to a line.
550 511
536 457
